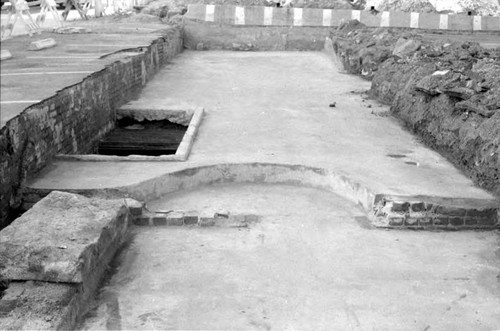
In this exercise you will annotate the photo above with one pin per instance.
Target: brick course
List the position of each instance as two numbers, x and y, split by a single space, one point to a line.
395 212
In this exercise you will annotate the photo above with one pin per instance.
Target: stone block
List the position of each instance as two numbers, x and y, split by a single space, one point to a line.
488 212
440 221
470 221
222 213
5 54
141 221
251 218
134 206
418 207
159 221
175 219
38 306
64 238
457 221
396 221
406 47
72 30
449 211
191 217
42 44
425 221
429 206
206 218
235 221
487 222
411 221
400 207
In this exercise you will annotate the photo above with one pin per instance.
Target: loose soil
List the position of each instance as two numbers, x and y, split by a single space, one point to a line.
445 91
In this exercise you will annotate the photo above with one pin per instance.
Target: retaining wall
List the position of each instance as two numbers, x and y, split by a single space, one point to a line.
311 17
73 120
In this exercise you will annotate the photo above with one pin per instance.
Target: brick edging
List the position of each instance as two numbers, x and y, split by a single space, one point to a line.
431 213
141 216
313 17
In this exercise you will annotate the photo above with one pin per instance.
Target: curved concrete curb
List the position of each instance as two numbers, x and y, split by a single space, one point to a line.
266 173
385 211
181 154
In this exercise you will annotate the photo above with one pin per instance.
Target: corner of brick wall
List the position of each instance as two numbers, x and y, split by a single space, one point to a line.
73 120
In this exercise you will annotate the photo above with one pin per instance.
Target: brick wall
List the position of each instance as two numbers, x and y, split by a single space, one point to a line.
73 120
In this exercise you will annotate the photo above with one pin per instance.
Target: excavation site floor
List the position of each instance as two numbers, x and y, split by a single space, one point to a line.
274 107
309 263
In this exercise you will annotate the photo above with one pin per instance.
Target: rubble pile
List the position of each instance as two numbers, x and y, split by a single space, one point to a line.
446 92
480 7
170 8
423 6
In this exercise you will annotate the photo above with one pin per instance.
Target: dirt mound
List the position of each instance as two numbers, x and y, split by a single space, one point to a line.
136 18
480 7
160 7
446 92
423 6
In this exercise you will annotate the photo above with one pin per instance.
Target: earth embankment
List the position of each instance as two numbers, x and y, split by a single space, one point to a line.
447 92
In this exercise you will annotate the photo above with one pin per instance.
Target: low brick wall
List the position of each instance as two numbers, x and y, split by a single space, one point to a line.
272 16
73 120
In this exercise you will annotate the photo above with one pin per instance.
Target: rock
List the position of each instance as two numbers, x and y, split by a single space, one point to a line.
462 93
468 106
200 47
349 26
37 306
134 207
5 55
72 30
429 85
206 218
406 47
89 229
242 47
423 6
42 44
222 213
135 127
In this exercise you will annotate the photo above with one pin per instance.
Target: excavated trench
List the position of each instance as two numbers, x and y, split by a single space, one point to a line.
447 92
162 137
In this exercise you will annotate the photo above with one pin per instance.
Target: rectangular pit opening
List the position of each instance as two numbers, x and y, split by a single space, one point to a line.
147 134
133 137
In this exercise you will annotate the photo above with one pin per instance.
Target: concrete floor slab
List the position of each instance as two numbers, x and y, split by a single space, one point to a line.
308 265
274 107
